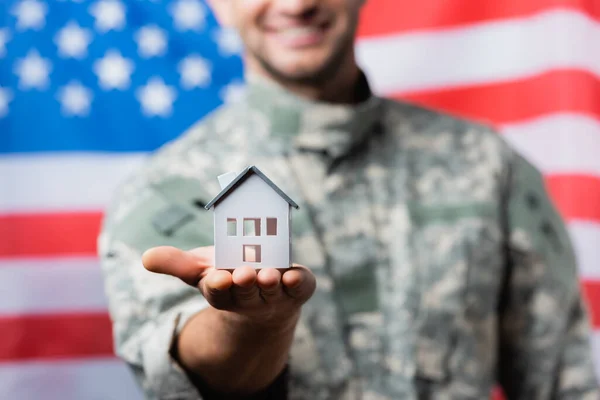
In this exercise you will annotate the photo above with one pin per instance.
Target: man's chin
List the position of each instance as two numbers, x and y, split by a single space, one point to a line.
300 75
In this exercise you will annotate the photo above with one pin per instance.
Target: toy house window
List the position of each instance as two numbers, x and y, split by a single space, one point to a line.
252 253
231 227
271 226
251 226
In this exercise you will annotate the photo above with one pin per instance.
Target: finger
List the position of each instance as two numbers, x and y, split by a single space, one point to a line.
299 282
244 290
185 265
268 281
215 287
205 252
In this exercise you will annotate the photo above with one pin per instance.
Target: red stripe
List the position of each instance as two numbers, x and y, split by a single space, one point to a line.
498 394
575 91
591 293
383 17
577 197
49 234
30 337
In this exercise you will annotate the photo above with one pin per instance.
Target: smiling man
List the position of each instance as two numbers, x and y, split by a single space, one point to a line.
431 262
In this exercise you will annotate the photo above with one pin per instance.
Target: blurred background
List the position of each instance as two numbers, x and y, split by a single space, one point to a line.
89 88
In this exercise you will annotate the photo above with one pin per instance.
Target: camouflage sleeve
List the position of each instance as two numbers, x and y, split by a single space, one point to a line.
545 350
148 310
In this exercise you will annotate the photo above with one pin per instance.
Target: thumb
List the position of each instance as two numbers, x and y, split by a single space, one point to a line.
189 266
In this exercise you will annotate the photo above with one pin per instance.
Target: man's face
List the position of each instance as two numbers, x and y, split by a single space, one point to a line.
294 40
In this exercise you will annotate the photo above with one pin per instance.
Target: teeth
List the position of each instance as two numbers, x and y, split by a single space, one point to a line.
299 31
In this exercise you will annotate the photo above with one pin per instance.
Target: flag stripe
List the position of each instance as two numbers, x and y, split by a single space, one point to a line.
61 182
586 237
49 234
466 57
56 336
377 20
53 285
68 380
559 143
517 101
44 183
576 196
591 291
595 341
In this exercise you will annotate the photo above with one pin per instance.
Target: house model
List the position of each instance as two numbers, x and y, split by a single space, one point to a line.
252 222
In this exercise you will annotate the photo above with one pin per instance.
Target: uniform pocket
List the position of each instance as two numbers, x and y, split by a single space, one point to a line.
457 254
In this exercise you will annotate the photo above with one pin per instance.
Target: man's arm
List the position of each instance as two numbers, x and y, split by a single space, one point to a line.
239 345
147 312
544 332
165 329
216 376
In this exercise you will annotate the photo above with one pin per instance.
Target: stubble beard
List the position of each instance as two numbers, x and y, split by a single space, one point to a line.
315 78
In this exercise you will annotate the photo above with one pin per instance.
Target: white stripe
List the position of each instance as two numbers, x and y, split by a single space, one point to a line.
489 52
62 181
561 143
586 241
68 380
595 341
54 285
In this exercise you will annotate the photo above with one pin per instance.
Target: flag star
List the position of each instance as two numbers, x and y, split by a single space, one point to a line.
4 38
113 71
195 72
31 14
109 14
75 99
151 40
156 98
5 98
73 41
33 71
229 41
188 14
233 93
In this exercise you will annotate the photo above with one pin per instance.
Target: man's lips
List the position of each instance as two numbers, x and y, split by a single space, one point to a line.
299 36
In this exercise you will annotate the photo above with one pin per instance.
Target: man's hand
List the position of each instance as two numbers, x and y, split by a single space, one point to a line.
241 343
264 297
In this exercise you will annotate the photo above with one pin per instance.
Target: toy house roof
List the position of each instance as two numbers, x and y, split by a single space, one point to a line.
245 174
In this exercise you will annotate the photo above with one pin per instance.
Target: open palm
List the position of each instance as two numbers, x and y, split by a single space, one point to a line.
268 294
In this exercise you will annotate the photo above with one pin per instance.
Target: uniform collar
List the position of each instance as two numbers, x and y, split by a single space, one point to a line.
314 125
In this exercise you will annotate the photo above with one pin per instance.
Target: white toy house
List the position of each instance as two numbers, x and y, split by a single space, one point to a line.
252 219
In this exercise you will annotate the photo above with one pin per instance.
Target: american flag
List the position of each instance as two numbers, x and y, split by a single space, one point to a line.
89 88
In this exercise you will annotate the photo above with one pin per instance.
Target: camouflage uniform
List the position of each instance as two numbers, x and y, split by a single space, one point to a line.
442 266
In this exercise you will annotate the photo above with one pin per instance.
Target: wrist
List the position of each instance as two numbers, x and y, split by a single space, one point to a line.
264 325
234 352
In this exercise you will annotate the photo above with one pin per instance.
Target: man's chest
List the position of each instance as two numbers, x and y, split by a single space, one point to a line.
414 279
380 233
